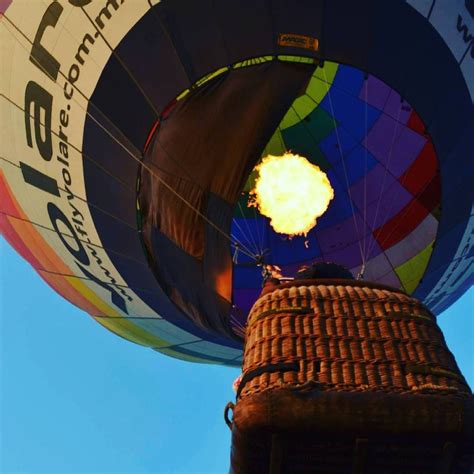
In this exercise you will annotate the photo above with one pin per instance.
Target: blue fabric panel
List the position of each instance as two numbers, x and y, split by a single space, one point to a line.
109 228
460 110
118 201
338 143
123 104
458 173
340 207
357 162
200 355
347 31
445 246
286 250
107 148
303 17
247 276
414 45
152 60
348 79
196 34
256 39
429 281
251 231
244 231
350 112
182 275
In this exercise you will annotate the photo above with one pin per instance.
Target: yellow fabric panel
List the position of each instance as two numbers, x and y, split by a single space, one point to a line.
411 272
128 330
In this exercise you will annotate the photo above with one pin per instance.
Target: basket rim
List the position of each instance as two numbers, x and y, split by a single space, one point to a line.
332 282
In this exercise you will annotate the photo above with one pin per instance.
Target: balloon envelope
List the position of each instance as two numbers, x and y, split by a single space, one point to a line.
130 131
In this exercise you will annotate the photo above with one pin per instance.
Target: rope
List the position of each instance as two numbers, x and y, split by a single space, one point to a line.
134 157
343 163
379 200
79 198
366 256
86 242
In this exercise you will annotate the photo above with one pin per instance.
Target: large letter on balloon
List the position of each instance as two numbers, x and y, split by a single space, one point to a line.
39 55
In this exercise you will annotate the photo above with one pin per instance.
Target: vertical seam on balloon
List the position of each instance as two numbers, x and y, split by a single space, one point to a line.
136 158
343 162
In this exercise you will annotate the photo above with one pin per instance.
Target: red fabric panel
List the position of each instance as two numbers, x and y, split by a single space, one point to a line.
399 226
421 172
415 123
431 196
16 242
7 204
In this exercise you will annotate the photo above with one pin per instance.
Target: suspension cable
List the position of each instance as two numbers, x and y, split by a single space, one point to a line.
343 165
242 247
379 200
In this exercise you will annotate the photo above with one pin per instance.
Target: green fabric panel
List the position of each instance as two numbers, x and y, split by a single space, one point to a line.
125 328
411 272
210 76
250 184
276 145
319 123
315 92
326 73
303 113
185 357
304 137
289 119
300 141
297 59
300 109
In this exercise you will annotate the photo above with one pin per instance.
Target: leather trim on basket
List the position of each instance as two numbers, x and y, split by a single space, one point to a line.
281 367
297 310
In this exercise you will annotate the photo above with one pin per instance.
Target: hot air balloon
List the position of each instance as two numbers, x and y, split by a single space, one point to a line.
131 132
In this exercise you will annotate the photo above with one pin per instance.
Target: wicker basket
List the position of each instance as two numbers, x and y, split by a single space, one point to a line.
336 368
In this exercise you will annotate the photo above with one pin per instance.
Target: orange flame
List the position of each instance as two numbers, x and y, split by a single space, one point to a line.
291 192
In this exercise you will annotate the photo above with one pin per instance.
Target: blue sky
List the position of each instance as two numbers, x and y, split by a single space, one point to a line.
76 399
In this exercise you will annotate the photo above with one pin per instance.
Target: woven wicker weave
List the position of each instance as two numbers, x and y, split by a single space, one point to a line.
347 376
347 338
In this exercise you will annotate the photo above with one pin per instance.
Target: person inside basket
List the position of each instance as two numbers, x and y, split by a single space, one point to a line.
271 276
322 270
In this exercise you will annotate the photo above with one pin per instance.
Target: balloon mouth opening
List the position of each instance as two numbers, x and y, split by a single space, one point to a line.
292 192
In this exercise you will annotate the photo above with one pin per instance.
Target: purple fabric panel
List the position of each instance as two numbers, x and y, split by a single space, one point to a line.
340 243
379 186
378 268
290 269
391 279
398 153
377 92
244 298
348 256
341 234
379 139
414 243
394 200
396 108
405 151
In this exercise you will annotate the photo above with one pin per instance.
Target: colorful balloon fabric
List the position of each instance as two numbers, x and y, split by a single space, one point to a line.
130 131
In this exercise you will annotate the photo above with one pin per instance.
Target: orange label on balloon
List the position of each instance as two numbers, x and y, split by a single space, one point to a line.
298 41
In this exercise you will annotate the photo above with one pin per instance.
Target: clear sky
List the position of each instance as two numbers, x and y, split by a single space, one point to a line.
74 398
